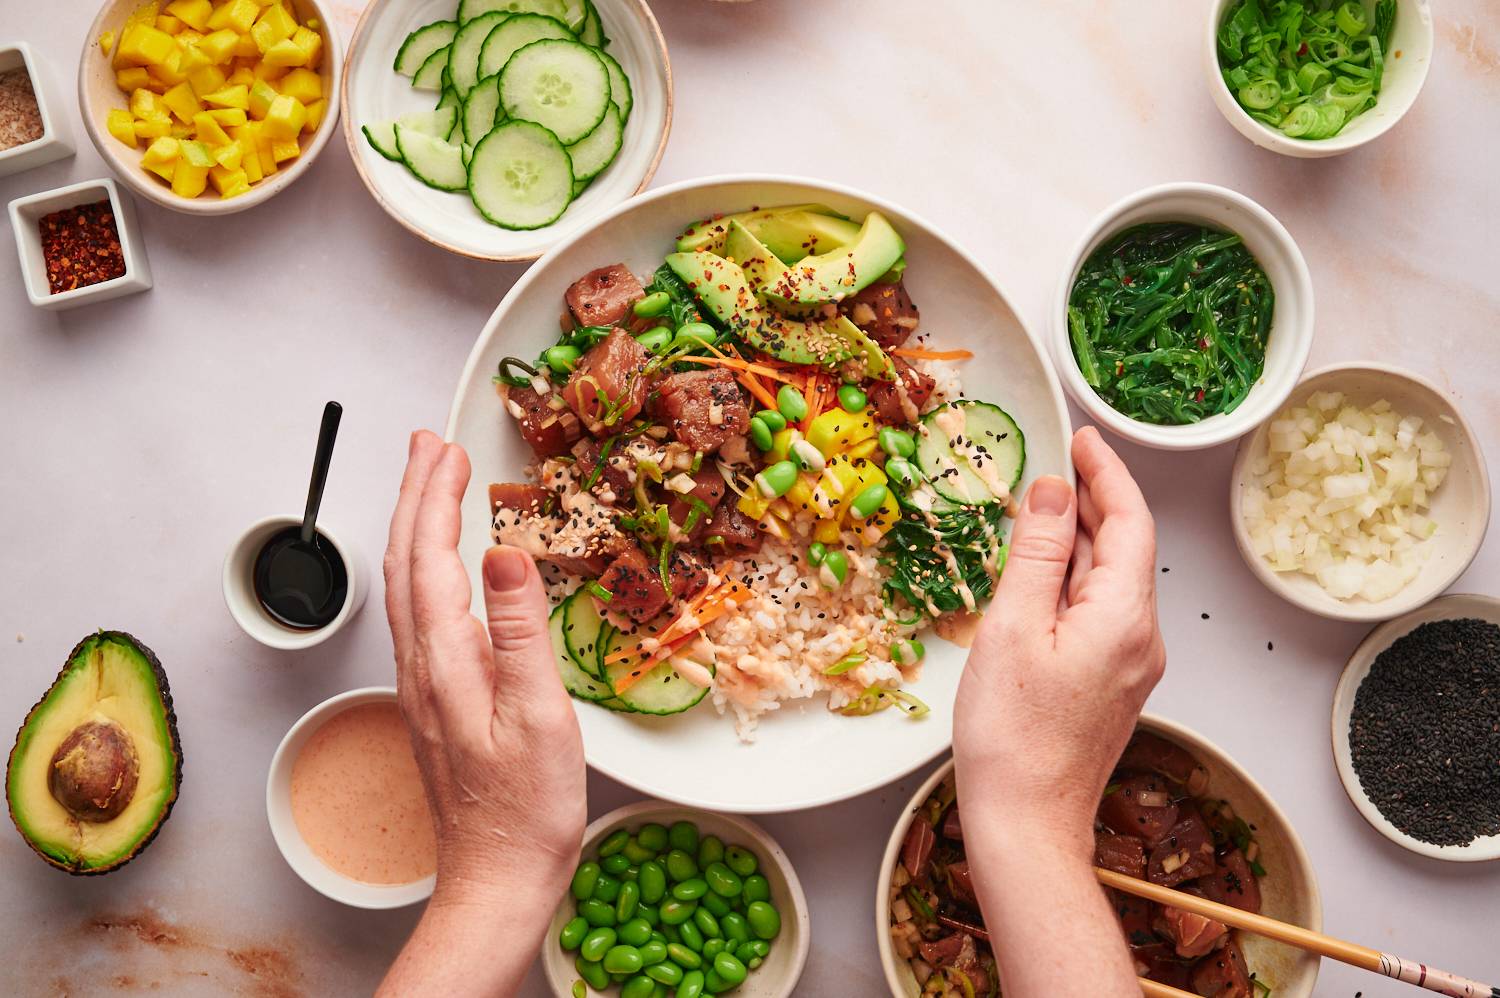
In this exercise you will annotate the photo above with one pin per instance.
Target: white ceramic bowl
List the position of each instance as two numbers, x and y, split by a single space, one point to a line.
1405 71
317 874
239 588
1447 608
56 140
1461 506
777 977
1291 322
98 94
683 758
374 92
25 216
1289 891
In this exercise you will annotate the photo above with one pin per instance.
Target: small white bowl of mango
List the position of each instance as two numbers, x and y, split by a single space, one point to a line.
210 107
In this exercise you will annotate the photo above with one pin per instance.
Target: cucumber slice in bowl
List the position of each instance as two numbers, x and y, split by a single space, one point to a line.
517 32
436 163
382 134
561 85
971 451
619 85
470 9
429 75
577 682
463 54
596 150
585 632
481 109
660 691
520 176
422 43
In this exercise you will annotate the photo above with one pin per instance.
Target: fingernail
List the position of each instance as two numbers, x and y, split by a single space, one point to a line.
1050 496
505 569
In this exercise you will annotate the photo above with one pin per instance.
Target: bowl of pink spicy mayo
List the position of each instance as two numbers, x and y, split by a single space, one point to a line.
345 803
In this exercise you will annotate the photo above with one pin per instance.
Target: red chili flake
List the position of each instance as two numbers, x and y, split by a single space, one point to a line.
81 246
1203 343
1199 396
1302 49
1127 280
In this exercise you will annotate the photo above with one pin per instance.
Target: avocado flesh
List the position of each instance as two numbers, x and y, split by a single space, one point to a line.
111 683
833 276
709 234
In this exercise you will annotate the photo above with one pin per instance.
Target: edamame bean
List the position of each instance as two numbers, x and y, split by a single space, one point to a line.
666 973
815 553
729 967
897 443
652 953
710 850
741 861
690 890
597 943
754 964
626 903
852 398
631 873
636 932
622 960
638 987
673 912
580 989
713 983
573 933
561 358
615 865
619 978
656 340
653 304
657 937
683 835
691 986
900 471
869 500
707 924
722 880
592 972
719 906
596 912
735 927
757 888
680 866
712 948
694 333
650 913
613 842
791 404
760 433
652 836
834 570
606 889
754 948
908 651
764 920
692 937
637 853
670 933
773 419
777 479
683 957
652 882
584 879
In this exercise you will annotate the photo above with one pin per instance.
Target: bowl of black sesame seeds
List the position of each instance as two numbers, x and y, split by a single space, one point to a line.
1416 729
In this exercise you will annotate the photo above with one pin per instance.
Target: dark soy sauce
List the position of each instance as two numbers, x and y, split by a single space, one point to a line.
300 585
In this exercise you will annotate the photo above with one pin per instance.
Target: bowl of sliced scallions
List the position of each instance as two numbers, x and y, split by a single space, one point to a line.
1184 317
1313 78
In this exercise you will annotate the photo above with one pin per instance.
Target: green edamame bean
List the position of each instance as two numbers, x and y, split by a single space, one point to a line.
707 924
683 957
741 861
652 882
650 913
774 420
852 398
900 471
606 889
561 358
735 927
666 973
710 850
683 835
760 433
655 303
791 404
584 879
729 967
692 936
637 853
834 570
869 500
757 888
719 906
722 880
777 479
573 933
694 333
673 912
652 953
630 874
657 937
619 978
615 865
690 890
597 943
652 836
754 963
896 443
670 933
754 948
622 959
815 553
636 932
613 842
765 921
580 990
713 983
691 986
638 987
680 866
592 972
712 948
656 340
626 903
597 913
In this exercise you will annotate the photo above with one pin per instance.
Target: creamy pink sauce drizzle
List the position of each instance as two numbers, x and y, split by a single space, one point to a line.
357 798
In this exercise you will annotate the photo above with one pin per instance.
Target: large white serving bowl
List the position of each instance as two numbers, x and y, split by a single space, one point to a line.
803 756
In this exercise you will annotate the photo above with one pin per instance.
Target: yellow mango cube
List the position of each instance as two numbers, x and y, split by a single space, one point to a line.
278 21
235 97
223 178
194 60
182 102
163 150
826 531
245 47
261 96
134 78
219 19
162 170
144 45
230 155
264 152
310 42
303 84
195 13
247 136
315 112
107 42
285 149
284 119
187 36
242 14
207 80
197 154
121 125
168 23
152 128
284 53
209 130
181 131
227 116
241 187
243 76
838 430
219 46
865 448
188 180
267 71
170 71
145 104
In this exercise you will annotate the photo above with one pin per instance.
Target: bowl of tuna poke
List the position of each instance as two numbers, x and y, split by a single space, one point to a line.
764 440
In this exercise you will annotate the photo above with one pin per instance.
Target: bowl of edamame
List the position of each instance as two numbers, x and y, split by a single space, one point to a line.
668 900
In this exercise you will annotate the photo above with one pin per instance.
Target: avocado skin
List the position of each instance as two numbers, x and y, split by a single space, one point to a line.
165 692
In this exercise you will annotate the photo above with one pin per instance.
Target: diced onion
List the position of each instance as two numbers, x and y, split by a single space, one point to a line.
1152 798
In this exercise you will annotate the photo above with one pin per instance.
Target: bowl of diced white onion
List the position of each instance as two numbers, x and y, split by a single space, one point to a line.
1364 497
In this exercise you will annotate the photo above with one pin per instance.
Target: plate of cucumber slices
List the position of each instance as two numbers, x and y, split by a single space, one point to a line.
493 128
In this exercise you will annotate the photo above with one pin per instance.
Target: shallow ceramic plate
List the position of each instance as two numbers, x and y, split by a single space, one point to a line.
374 92
803 756
1377 641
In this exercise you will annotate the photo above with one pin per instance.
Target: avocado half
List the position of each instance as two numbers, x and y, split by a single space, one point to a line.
97 764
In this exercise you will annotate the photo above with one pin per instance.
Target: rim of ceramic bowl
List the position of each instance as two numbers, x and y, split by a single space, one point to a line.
1267 395
351 139
313 871
134 177
1408 599
292 640
1276 141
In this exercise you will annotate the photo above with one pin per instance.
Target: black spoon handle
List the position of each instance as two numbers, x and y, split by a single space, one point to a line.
327 434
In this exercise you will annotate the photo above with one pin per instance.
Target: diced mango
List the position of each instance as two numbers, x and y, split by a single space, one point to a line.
134 78
223 178
285 53
169 70
277 21
241 187
188 180
230 155
163 150
209 130
144 14
194 60
194 12
181 131
753 504
242 14
303 84
168 23
245 47
145 104
268 71
262 94
315 112
781 444
219 46
235 97
227 116
865 448
182 102
121 125
264 151
285 149
838 430
197 154
107 42
187 36
206 80
800 494
310 42
162 170
243 76
247 136
144 45
152 128
826 531
219 19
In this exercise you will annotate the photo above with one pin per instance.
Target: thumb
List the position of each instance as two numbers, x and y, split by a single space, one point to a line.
516 615
1040 547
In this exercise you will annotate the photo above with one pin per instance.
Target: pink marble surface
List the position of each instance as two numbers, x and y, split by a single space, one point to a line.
142 435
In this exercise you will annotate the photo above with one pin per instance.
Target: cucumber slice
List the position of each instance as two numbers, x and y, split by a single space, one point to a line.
481 108
619 86
519 31
382 138
450 101
596 150
562 86
470 9
579 186
618 705
583 629
663 691
992 451
575 680
431 160
463 54
468 154
592 32
429 76
382 134
422 43
520 176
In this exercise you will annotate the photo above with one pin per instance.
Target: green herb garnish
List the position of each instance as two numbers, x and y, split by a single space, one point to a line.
913 554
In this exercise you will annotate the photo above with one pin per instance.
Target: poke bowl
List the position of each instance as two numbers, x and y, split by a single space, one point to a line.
1257 863
764 622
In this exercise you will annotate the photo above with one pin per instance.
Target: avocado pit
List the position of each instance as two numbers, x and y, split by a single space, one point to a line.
94 771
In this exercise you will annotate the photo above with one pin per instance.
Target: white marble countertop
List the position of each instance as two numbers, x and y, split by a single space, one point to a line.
142 435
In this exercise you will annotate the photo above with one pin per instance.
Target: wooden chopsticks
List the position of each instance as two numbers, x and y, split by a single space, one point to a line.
1353 954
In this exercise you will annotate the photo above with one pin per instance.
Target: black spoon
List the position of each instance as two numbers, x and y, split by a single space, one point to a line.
300 578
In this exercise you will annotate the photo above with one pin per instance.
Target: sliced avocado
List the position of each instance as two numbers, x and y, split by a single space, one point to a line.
762 267
793 235
710 233
877 364
96 765
835 275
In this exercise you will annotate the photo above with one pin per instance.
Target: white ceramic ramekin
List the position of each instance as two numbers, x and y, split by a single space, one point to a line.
239 587
25 216
57 138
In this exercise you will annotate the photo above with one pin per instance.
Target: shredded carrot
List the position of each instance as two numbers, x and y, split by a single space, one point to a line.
705 609
921 353
739 365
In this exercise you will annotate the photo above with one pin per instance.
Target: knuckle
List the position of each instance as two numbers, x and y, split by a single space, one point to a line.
1042 545
512 626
